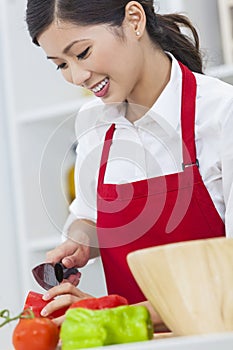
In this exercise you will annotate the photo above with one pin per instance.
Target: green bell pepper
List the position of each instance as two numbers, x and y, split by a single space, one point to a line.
84 328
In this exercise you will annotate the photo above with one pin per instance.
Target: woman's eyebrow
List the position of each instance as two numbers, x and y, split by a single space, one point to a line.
67 48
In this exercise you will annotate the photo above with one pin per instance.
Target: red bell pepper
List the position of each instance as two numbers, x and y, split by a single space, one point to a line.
35 303
106 302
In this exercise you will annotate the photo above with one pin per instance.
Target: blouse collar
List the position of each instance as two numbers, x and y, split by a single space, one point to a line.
167 115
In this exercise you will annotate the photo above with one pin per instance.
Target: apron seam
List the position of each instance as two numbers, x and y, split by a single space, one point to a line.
152 194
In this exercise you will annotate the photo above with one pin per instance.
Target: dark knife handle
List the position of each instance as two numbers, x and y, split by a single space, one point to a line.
61 272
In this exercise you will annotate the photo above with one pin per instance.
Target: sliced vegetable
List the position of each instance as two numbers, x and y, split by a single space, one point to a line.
85 328
35 303
106 302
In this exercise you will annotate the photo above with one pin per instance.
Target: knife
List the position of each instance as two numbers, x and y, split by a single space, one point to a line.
49 275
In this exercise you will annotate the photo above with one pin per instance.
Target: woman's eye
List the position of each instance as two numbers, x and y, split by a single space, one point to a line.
61 66
83 54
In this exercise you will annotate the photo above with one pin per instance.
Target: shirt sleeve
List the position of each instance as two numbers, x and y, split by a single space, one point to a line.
86 176
227 168
89 135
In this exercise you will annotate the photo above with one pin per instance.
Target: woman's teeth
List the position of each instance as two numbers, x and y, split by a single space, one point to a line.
100 86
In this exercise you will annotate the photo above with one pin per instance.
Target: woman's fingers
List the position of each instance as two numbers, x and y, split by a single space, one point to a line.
75 251
71 254
61 289
59 303
78 258
65 249
64 295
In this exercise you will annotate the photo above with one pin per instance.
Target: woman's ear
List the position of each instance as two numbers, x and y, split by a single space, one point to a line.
135 17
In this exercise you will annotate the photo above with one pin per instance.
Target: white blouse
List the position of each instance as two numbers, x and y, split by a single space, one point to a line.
151 146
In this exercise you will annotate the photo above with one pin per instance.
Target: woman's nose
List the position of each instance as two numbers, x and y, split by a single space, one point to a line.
79 76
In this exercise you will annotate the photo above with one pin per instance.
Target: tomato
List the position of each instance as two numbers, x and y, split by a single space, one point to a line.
35 334
106 302
35 303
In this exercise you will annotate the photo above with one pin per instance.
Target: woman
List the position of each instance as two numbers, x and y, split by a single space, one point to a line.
154 159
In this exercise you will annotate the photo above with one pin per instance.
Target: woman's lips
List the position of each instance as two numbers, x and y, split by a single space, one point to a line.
101 89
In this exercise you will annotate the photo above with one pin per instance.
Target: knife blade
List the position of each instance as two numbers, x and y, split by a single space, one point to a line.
49 275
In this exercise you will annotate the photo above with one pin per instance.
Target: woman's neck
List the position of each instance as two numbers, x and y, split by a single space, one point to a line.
155 77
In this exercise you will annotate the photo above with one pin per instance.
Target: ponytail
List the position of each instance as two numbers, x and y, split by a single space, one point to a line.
165 31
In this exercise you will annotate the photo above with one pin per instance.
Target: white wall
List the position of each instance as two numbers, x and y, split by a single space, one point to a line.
9 290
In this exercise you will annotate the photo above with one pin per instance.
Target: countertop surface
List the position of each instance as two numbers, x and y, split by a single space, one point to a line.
220 341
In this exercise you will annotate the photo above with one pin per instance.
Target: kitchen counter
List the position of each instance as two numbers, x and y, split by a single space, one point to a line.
220 341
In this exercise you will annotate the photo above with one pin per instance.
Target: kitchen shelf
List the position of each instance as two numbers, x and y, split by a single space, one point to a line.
37 245
52 112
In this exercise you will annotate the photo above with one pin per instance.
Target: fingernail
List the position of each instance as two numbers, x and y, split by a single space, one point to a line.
46 296
44 312
68 262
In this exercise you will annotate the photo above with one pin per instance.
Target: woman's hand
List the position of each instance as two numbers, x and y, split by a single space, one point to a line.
80 246
70 253
65 294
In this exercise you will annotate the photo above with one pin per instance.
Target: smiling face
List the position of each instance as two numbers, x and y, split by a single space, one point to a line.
96 58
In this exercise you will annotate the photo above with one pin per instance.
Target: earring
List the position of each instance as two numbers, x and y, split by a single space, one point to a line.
138 33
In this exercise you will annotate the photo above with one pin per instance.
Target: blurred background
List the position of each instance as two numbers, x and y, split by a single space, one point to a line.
37 113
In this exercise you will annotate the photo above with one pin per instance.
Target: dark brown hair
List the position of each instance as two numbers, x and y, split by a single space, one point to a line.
165 31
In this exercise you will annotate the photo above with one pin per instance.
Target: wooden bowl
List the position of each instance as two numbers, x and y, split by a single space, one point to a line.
190 284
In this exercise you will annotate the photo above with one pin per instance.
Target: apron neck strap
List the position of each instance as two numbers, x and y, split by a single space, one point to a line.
188 104
105 153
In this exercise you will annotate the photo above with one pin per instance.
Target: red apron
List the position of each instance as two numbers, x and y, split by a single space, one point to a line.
155 211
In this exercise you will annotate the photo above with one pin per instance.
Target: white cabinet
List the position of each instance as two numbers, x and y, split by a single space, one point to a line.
226 23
